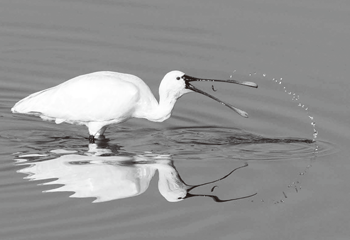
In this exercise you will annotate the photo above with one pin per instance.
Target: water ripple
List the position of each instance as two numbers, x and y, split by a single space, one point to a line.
199 142
248 146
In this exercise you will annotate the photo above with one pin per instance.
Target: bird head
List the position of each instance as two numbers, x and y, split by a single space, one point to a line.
176 83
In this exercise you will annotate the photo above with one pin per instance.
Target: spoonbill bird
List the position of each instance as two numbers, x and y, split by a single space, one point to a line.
99 99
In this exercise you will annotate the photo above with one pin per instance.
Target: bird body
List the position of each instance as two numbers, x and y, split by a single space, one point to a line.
99 99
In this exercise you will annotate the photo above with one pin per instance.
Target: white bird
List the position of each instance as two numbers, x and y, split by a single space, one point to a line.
99 99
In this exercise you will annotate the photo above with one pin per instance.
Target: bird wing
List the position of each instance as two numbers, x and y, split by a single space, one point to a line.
99 96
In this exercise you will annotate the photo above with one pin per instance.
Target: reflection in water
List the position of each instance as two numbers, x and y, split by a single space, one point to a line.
100 174
109 171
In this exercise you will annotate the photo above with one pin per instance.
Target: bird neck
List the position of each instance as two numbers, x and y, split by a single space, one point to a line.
162 111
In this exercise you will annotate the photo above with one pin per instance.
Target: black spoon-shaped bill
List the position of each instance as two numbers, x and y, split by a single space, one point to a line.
189 86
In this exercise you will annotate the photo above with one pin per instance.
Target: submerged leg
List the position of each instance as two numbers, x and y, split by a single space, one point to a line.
96 129
91 139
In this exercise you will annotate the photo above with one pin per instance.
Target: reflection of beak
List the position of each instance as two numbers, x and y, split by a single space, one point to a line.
189 86
174 189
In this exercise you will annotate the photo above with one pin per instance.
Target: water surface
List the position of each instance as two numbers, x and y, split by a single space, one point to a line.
205 173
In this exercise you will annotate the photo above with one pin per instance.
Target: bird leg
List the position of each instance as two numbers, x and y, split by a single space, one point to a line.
91 139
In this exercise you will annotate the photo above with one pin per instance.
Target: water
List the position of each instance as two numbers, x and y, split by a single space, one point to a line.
206 173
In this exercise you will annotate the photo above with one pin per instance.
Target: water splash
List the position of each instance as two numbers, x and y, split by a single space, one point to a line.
294 186
296 98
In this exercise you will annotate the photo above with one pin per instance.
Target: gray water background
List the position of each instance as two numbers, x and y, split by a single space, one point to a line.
302 188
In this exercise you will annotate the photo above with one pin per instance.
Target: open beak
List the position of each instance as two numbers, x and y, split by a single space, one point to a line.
189 86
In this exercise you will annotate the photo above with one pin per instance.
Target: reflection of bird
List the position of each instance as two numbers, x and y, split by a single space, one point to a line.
104 178
103 98
110 177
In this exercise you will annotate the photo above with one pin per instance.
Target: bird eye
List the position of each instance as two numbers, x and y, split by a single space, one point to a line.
178 78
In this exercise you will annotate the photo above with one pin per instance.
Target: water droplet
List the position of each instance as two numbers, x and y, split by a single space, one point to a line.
295 186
